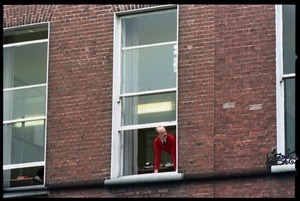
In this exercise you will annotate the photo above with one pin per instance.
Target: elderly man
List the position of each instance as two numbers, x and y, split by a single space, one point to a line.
164 141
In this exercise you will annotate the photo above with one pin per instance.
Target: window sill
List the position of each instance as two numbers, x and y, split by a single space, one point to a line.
145 178
25 192
283 168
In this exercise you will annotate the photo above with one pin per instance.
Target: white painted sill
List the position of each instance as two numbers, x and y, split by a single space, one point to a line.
145 178
16 194
283 168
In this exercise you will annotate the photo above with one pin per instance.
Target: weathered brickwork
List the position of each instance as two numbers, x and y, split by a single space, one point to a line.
245 74
226 102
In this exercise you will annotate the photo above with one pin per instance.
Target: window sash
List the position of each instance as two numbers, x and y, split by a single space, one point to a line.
148 69
148 109
24 142
29 56
23 103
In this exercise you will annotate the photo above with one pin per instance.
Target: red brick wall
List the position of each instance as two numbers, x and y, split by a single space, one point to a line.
226 106
196 89
80 94
244 72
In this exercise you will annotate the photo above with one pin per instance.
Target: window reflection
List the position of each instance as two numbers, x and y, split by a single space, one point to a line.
289 113
149 109
149 28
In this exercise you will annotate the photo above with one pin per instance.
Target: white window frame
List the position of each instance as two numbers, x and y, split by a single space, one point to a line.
41 163
280 91
116 150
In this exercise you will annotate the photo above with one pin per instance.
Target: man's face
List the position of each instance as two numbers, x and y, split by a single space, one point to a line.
162 133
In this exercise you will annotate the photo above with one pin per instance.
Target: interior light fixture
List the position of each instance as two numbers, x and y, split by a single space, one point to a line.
30 123
155 107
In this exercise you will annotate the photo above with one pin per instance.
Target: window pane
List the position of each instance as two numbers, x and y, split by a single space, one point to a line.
34 140
148 69
12 143
289 113
24 65
129 152
289 38
21 35
27 142
149 28
149 109
23 177
24 103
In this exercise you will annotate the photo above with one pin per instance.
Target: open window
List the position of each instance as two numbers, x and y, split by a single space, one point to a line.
145 87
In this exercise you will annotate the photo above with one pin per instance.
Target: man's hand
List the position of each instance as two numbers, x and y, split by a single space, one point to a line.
156 171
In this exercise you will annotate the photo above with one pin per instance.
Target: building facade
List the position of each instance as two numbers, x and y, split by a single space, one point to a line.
84 87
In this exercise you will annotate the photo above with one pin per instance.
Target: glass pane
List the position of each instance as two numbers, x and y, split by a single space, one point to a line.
289 38
24 103
28 34
149 28
23 177
24 65
129 152
34 140
12 143
148 69
289 109
26 143
149 109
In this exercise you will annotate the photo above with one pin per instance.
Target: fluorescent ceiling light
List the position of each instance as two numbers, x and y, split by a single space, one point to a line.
155 107
29 123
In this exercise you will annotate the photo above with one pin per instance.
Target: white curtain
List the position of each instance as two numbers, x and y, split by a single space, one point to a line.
8 61
130 76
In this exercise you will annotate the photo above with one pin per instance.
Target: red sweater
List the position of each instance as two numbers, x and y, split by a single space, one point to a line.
169 147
